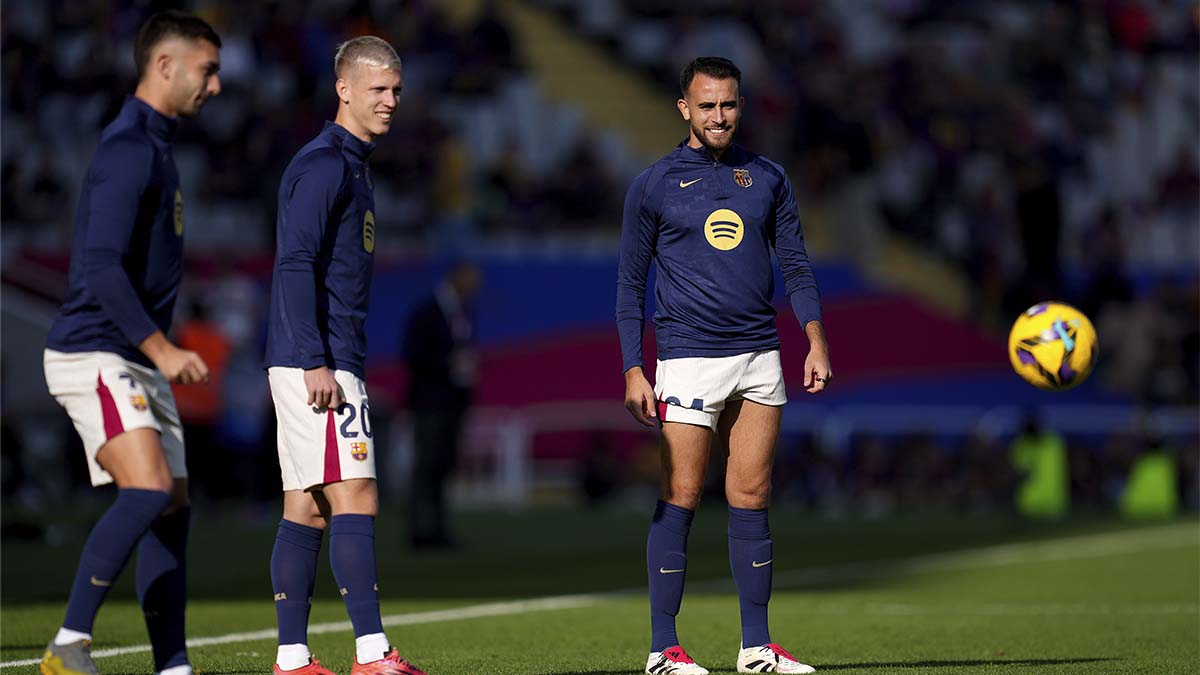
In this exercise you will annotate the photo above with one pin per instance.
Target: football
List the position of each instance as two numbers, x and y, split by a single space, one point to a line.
1053 346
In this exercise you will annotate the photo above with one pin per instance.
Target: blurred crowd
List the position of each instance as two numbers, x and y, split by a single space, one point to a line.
474 149
1047 149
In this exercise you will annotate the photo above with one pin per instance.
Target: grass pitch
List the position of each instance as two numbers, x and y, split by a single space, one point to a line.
561 592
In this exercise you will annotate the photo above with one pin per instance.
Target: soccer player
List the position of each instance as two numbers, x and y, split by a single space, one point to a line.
108 361
709 215
316 346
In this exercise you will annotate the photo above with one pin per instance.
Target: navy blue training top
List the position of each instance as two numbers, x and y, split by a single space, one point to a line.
325 243
710 226
127 251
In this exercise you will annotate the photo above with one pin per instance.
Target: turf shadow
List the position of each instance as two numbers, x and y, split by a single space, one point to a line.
963 663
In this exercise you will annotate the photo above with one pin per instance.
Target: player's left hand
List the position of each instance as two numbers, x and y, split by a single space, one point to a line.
817 373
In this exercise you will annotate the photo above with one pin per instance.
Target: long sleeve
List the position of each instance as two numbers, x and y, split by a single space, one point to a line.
312 198
639 236
117 180
798 278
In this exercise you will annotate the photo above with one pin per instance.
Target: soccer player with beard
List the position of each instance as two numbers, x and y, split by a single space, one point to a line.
709 215
107 359
316 349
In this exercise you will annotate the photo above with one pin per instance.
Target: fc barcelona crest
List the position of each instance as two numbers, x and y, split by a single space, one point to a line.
138 402
742 177
359 451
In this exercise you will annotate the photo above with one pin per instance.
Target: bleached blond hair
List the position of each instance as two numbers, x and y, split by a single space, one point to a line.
367 50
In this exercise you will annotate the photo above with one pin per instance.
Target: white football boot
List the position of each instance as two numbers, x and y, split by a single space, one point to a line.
673 661
770 658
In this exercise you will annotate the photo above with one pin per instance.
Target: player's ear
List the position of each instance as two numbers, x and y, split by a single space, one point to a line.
683 110
164 63
343 90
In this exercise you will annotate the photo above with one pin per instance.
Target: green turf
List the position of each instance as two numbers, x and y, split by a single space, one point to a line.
1126 598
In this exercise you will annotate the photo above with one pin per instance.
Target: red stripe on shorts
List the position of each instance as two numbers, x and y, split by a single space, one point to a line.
108 410
662 412
333 468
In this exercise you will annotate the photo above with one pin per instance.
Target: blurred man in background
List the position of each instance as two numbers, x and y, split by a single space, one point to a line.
108 361
439 348
316 348
709 214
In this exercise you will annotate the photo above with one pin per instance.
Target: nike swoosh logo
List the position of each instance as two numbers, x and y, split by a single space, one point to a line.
758 564
683 184
101 584
663 570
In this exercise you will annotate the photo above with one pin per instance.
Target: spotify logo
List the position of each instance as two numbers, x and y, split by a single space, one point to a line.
724 229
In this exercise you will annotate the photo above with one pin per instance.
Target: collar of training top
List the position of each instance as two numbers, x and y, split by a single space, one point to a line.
702 155
353 144
156 123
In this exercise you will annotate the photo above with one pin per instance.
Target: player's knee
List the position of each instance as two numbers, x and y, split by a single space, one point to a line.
357 496
753 496
147 481
308 518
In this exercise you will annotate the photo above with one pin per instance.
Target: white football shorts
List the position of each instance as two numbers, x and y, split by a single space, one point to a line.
317 447
105 395
694 390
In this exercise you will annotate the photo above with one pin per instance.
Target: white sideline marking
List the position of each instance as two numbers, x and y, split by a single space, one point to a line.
434 616
1052 550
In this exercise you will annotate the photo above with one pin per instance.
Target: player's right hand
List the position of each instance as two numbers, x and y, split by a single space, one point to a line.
323 391
639 397
182 366
179 366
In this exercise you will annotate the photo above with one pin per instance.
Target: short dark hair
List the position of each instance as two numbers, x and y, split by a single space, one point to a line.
712 66
168 24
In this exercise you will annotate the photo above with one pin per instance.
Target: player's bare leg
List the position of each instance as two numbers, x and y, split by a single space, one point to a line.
684 449
310 509
355 496
135 460
137 464
750 430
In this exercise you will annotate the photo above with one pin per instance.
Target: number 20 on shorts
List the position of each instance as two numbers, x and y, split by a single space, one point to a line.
360 413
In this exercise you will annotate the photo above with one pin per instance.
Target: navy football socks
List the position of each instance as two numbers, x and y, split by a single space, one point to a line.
162 587
750 559
666 566
293 577
107 550
352 557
